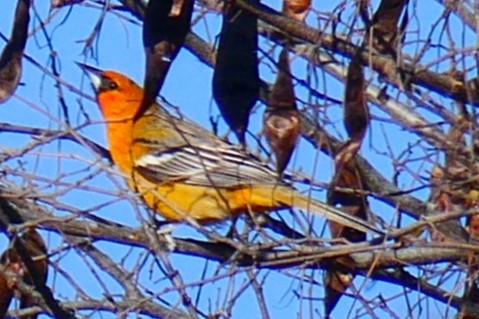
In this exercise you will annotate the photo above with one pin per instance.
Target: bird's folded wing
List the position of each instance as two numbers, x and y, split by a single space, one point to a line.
205 166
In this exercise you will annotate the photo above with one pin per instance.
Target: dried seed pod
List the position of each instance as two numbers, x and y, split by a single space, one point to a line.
235 78
166 24
281 119
347 176
35 246
385 25
63 3
6 294
356 111
296 9
11 58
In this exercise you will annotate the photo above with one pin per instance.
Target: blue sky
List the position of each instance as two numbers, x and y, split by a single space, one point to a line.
119 47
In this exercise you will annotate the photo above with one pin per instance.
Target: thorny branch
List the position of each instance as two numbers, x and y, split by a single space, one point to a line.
420 96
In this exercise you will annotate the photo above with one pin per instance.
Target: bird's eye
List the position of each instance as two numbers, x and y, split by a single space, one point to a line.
112 85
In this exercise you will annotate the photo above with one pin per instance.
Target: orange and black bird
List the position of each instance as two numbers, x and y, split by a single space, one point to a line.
11 58
166 24
185 172
235 78
281 118
36 248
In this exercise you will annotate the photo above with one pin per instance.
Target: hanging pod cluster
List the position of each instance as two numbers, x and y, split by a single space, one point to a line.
235 79
11 57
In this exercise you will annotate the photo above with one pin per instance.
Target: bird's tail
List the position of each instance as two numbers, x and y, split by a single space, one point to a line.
292 198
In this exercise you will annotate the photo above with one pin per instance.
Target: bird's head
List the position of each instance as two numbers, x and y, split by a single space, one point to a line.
118 96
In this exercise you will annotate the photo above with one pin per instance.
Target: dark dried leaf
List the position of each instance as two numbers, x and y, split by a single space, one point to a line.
63 3
347 151
385 25
166 24
473 227
36 248
296 9
282 129
335 283
356 111
281 119
6 294
282 94
235 79
347 176
11 58
456 183
469 309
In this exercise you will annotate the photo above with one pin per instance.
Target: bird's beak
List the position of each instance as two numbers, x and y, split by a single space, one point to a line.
94 73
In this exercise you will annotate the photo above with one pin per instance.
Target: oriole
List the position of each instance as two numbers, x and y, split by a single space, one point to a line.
183 171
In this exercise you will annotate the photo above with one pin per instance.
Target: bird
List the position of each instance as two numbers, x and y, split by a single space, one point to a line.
11 57
236 81
183 171
35 246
